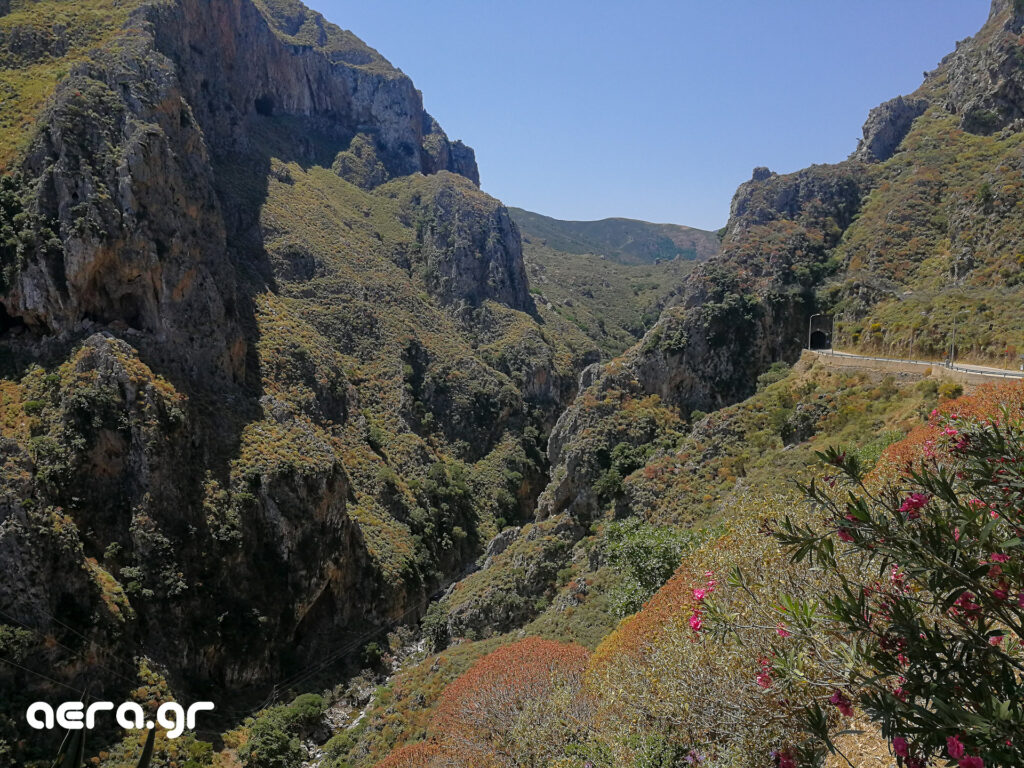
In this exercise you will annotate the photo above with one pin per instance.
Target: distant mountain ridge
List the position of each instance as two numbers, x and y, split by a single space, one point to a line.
627 241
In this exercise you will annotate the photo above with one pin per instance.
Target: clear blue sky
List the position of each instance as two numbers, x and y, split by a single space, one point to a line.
654 109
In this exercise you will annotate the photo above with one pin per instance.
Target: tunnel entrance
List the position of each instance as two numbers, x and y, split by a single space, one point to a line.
820 340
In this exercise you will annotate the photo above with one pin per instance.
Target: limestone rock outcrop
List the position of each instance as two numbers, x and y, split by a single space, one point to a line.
886 127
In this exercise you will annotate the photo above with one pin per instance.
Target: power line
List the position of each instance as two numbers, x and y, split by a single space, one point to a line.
131 681
45 677
301 676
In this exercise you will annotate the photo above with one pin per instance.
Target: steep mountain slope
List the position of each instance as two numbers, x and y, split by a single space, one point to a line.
626 241
719 478
271 373
918 227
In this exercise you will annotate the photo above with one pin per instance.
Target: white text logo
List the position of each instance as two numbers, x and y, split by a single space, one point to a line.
74 715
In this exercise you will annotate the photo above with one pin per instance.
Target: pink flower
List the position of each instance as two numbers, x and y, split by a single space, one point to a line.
696 622
781 630
842 703
786 760
900 748
999 558
913 505
955 747
1002 591
950 431
971 762
764 679
699 594
845 535
966 604
934 413
995 640
896 577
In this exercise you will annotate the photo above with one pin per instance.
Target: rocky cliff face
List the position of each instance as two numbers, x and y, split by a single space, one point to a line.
266 62
119 176
469 248
271 372
121 168
887 125
984 75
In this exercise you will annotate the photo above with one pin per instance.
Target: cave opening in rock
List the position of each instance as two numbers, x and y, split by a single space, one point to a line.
265 106
9 322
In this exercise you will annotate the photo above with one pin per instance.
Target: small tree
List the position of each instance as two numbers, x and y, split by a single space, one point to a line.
931 594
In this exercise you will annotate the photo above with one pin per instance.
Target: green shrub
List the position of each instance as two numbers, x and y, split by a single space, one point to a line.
270 746
435 627
644 556
372 655
776 372
274 737
950 390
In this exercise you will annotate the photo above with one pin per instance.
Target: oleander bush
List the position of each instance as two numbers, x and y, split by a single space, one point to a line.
933 605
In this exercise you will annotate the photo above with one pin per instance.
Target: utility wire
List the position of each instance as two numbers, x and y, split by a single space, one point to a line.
132 681
44 677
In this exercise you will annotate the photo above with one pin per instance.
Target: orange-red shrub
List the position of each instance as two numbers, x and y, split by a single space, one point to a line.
986 402
422 755
477 713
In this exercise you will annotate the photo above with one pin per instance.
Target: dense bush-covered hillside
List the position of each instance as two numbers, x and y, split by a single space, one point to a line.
610 278
613 304
290 421
737 661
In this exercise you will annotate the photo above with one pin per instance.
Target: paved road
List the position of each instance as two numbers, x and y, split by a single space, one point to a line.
981 370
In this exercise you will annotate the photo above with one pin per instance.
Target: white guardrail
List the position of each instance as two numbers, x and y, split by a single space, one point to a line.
979 371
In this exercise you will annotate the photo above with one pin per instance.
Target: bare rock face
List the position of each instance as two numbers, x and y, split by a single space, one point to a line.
137 260
986 74
886 127
236 67
120 174
470 247
769 197
139 233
